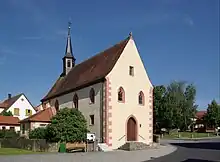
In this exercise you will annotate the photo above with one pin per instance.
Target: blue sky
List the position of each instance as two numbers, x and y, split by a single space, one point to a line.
177 40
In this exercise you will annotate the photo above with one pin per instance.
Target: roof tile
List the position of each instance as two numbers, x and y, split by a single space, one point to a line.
9 120
89 71
44 115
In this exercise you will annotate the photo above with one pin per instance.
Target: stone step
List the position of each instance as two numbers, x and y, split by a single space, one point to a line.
134 145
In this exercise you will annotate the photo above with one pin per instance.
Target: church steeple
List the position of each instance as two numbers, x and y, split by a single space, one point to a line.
68 59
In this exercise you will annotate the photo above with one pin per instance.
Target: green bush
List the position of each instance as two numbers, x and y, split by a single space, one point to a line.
5 113
8 134
38 133
68 125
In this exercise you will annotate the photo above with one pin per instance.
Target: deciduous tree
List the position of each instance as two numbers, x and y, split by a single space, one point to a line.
213 114
69 125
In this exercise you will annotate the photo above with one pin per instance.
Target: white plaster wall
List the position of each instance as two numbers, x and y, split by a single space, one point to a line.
22 105
38 124
17 128
1 109
119 76
85 106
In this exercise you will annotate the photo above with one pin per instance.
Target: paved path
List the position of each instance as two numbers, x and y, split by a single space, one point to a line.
193 151
114 156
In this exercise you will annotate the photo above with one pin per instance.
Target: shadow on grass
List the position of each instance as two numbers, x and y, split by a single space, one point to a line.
197 160
200 145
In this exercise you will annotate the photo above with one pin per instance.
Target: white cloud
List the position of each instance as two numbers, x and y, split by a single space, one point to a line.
61 32
188 21
2 60
32 38
7 51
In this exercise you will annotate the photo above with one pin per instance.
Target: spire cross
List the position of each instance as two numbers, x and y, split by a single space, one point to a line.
69 24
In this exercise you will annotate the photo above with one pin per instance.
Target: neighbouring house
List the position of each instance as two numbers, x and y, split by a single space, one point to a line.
199 121
19 105
38 107
112 90
41 119
9 123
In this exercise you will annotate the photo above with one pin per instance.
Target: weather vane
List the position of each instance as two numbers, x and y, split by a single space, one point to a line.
69 24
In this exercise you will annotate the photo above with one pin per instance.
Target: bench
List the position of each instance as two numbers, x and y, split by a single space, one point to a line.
76 146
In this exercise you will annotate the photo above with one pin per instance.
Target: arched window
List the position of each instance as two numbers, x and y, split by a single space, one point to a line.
57 105
92 96
141 98
121 95
75 101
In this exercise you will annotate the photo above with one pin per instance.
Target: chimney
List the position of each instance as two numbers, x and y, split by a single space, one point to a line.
9 95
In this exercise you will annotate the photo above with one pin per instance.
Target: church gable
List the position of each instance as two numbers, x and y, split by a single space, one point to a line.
130 66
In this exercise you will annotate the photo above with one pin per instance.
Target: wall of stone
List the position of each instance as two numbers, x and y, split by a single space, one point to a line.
28 144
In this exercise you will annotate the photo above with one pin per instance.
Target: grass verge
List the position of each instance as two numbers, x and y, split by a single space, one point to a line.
15 151
188 135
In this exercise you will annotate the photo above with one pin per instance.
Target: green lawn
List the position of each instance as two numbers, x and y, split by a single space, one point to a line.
188 135
15 151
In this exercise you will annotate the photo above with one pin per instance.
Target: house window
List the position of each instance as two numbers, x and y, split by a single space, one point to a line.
12 128
141 98
3 128
28 112
16 111
131 70
57 105
92 96
121 95
92 120
75 101
43 125
68 63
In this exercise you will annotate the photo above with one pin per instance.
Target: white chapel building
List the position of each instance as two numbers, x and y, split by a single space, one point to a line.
111 89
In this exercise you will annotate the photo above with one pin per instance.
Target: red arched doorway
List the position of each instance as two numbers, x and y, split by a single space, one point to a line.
131 129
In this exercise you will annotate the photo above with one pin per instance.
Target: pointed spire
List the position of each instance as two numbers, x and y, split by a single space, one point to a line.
130 35
69 52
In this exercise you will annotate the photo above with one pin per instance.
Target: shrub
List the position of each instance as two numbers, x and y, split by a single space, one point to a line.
38 133
8 134
68 125
5 113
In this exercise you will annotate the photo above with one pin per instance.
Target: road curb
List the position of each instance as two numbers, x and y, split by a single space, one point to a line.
166 151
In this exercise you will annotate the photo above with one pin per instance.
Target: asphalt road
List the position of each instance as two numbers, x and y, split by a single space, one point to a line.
193 151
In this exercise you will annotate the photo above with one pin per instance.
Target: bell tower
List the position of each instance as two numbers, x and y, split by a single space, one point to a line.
68 59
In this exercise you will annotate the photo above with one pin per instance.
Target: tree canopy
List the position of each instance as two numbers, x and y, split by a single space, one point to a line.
174 105
212 116
38 133
68 125
7 113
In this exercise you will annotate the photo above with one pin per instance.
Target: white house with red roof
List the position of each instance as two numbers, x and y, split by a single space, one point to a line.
9 123
40 119
18 105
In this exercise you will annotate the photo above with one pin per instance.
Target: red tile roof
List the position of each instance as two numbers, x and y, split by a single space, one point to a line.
88 72
9 120
41 116
8 102
200 114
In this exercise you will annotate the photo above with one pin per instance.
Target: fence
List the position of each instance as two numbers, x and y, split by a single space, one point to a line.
37 145
28 144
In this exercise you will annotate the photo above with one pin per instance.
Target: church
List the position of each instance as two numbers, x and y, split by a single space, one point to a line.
111 89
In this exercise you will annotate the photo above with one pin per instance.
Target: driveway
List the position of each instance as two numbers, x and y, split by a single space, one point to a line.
193 151
114 156
183 151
